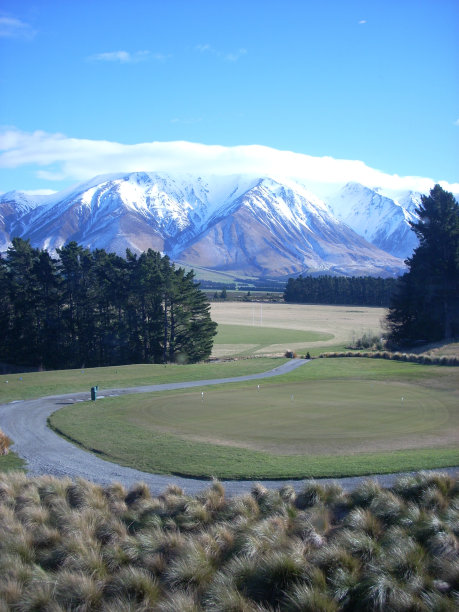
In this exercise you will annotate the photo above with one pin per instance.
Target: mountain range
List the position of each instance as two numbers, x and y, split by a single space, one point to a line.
241 226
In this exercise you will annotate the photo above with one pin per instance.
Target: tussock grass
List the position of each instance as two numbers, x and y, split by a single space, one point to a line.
73 545
442 360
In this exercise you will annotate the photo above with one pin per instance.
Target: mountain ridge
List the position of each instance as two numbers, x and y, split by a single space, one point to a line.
245 225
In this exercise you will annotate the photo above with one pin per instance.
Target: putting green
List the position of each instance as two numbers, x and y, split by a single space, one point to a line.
304 418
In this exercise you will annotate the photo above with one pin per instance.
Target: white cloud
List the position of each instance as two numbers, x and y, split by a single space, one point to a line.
232 56
15 28
456 122
123 57
362 22
204 48
39 191
161 57
58 157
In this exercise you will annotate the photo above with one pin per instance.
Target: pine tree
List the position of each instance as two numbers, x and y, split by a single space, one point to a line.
425 306
23 338
6 309
48 307
97 309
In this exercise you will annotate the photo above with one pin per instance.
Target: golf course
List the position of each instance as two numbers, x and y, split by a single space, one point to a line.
258 328
328 418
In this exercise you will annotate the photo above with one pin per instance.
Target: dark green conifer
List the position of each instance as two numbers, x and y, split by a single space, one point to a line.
425 307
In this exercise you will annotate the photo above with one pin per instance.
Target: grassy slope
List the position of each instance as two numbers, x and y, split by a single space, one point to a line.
39 384
135 431
11 462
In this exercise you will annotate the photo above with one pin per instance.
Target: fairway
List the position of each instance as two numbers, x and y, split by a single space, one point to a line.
260 328
39 384
245 340
326 419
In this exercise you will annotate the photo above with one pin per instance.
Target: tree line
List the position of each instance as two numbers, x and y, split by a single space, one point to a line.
356 290
425 305
84 308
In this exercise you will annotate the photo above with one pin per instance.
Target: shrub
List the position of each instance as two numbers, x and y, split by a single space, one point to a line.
387 507
305 598
138 492
364 520
5 443
380 591
75 590
134 584
311 494
364 494
368 340
178 602
194 568
411 357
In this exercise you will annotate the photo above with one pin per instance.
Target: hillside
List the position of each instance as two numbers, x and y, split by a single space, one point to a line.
242 226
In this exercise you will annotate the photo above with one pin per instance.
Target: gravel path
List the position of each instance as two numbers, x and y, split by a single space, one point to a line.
48 453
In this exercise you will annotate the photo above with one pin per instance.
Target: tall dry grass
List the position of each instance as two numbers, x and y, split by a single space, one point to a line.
5 443
73 545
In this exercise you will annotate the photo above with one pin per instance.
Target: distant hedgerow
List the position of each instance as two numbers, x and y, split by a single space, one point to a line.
411 357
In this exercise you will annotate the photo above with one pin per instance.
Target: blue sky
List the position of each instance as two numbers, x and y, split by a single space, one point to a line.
87 85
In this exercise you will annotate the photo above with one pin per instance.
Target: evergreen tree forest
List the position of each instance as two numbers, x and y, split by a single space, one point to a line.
425 306
85 309
358 291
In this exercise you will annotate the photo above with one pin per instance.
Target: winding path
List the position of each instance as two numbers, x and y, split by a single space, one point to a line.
48 453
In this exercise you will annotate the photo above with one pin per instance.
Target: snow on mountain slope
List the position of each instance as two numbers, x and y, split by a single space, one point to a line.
382 220
272 230
13 205
110 208
246 225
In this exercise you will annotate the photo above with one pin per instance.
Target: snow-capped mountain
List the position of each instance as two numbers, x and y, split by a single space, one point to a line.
380 219
241 225
274 230
13 206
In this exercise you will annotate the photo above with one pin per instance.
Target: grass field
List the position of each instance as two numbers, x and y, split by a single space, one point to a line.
244 329
330 418
245 340
316 328
40 384
11 462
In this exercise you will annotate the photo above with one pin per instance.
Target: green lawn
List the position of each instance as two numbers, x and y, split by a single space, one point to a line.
11 462
265 336
39 384
245 340
329 418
